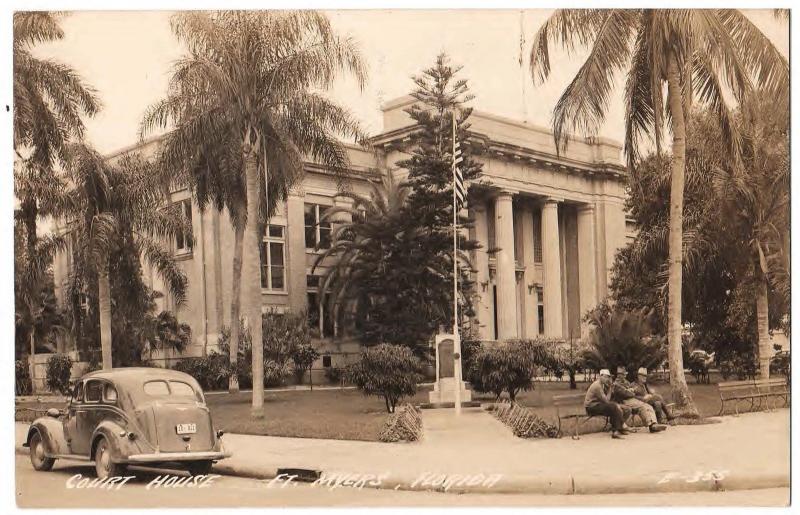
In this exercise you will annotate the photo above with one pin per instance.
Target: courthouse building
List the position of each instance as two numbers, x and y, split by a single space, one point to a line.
548 224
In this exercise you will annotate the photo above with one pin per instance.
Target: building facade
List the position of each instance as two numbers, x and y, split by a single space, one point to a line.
548 224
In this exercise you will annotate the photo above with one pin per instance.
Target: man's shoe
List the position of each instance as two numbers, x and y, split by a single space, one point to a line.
616 436
655 428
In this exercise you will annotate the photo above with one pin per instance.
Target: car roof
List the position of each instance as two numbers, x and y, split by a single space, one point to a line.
138 375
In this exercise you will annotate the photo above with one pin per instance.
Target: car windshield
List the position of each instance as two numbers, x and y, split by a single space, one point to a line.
171 389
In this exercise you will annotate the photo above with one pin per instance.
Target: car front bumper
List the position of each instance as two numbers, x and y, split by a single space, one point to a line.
161 457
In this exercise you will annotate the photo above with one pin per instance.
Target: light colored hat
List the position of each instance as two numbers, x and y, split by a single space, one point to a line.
605 372
642 372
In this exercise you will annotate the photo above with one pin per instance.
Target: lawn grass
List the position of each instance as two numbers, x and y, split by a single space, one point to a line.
336 414
349 415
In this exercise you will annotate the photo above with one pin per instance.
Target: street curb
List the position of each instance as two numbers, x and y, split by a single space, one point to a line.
561 485
521 484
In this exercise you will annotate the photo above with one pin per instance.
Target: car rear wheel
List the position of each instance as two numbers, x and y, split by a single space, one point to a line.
199 468
103 464
38 458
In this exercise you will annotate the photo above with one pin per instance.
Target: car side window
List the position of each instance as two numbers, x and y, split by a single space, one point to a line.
94 391
77 392
109 394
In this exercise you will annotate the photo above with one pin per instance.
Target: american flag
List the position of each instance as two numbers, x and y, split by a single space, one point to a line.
458 176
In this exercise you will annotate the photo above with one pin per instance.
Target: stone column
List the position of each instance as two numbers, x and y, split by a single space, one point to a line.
483 292
506 273
529 315
587 266
551 264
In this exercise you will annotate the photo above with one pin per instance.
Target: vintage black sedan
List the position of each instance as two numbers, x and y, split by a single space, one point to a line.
129 416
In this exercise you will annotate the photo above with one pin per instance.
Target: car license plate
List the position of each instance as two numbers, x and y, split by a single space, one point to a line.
186 429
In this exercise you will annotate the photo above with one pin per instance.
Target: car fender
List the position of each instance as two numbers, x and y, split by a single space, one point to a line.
121 446
51 431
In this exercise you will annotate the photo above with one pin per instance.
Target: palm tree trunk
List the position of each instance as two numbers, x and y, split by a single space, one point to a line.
680 390
251 264
762 316
236 307
104 294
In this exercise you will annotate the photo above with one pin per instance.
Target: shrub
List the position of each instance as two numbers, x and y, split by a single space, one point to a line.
212 371
779 364
22 377
244 368
59 369
304 356
404 425
334 374
507 367
622 338
276 373
388 371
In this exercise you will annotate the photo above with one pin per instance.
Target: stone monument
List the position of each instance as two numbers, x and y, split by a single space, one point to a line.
444 389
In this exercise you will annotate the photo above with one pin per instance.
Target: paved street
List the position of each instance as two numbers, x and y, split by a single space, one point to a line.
49 489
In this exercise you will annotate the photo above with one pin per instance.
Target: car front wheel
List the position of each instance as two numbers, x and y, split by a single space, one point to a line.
38 458
103 464
199 468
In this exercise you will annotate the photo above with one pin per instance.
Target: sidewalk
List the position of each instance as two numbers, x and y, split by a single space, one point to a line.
749 451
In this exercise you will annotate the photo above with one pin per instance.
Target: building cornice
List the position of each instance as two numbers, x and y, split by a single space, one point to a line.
483 145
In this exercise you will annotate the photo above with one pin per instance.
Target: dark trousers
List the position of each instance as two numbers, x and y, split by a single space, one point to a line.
610 410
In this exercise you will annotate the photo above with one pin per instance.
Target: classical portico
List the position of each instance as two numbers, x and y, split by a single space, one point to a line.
549 223
538 259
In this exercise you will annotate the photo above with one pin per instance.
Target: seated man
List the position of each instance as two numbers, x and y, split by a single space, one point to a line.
622 393
643 392
597 402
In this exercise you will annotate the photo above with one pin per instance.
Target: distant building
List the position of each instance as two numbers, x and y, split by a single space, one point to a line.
549 226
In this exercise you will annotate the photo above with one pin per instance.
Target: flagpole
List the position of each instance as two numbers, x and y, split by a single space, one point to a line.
456 337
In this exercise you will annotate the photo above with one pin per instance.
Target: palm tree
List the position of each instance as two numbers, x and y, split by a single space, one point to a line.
359 246
111 206
49 101
697 54
247 81
383 269
754 194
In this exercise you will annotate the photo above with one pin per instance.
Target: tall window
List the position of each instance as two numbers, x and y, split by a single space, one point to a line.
183 241
318 321
318 234
273 259
537 237
540 308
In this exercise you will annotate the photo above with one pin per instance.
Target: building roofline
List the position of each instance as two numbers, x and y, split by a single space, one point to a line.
408 100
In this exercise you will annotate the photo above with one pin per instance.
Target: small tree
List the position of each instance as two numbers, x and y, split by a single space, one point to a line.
567 356
508 367
388 371
304 356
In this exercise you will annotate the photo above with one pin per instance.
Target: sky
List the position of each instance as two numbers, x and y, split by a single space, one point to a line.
127 57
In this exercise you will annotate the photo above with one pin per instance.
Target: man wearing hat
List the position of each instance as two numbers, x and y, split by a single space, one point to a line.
643 392
598 403
622 393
